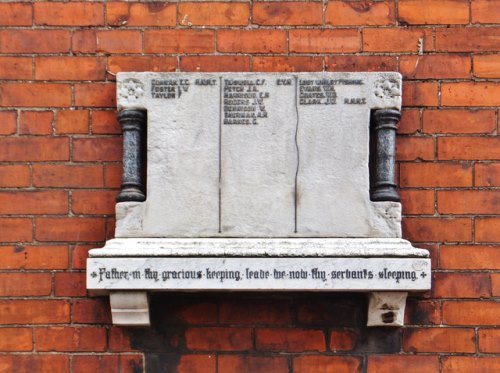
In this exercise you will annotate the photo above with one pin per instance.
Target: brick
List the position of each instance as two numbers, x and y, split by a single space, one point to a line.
91 311
15 339
461 285
396 40
16 14
34 312
409 122
71 176
16 230
459 121
199 363
36 122
360 63
137 14
36 202
70 229
487 229
219 339
486 66
15 68
435 174
93 202
483 39
179 41
437 229
420 94
342 340
34 41
34 257
72 122
127 363
68 339
435 66
97 149
422 312
84 41
79 256
485 11
290 340
35 94
471 313
215 63
470 94
69 284
342 312
15 284
407 364
326 364
9 123
197 313
324 41
469 257
251 41
413 148
251 364
70 68
485 174
34 363
287 13
468 201
489 340
287 63
470 364
141 63
425 12
469 148
495 285
119 340
252 312
95 95
105 123
213 14
360 13
69 14
439 340
14 176
118 41
113 175
417 201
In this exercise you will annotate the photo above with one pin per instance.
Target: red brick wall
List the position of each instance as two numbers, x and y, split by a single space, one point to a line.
60 151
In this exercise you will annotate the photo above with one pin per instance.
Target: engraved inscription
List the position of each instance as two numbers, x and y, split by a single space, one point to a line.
244 101
169 88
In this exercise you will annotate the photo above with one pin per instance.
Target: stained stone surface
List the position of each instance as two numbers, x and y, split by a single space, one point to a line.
258 155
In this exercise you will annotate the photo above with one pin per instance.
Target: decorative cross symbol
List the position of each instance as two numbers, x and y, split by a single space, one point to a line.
423 275
94 274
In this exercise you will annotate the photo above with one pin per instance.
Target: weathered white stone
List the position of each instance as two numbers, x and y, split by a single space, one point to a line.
259 247
129 308
256 274
299 168
387 308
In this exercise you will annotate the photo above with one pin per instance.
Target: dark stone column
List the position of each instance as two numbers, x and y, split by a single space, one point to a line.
133 125
384 187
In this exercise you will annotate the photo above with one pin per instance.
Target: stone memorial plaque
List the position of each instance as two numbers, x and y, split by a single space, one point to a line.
258 182
258 155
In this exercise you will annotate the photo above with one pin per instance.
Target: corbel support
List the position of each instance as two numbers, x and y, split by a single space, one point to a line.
386 308
130 308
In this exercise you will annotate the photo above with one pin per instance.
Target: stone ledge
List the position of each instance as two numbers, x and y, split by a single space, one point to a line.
256 247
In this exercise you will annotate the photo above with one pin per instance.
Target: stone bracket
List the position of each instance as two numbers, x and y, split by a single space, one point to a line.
130 308
386 308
